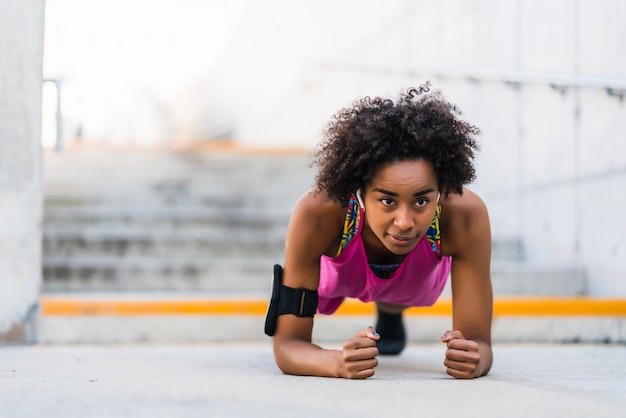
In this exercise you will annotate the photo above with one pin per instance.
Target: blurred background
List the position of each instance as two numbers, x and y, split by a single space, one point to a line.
174 133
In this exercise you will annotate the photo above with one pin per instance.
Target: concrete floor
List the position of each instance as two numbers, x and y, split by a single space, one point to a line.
241 380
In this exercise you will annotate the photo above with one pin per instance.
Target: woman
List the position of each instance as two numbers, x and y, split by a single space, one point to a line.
388 221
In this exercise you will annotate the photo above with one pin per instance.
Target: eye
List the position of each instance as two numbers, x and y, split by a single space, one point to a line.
421 202
386 201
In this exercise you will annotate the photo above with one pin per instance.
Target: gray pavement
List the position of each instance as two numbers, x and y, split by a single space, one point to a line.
241 380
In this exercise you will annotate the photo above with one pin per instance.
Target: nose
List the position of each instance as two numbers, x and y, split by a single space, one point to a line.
404 219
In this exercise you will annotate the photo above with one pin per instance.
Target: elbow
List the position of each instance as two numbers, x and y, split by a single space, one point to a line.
282 358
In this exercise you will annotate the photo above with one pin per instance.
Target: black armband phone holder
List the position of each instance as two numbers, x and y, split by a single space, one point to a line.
287 300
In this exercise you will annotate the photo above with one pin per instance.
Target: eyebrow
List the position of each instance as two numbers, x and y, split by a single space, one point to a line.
390 193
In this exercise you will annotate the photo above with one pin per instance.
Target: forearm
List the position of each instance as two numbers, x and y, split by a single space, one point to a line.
299 357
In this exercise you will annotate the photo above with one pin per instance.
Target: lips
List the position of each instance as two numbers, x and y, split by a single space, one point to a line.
402 239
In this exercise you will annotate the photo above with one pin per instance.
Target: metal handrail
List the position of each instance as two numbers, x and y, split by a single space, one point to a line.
59 114
615 86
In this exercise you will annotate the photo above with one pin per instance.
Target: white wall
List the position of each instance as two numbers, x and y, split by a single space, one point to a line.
552 164
122 61
21 49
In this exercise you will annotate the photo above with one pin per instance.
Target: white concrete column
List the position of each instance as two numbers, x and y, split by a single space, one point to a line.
21 52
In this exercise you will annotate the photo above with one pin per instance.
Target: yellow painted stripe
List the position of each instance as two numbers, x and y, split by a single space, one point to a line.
526 306
52 306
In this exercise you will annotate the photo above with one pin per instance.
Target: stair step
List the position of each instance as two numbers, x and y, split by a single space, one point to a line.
510 277
507 249
167 247
163 215
134 221
224 197
251 274
149 274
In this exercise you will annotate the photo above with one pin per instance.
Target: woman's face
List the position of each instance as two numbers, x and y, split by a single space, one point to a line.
400 204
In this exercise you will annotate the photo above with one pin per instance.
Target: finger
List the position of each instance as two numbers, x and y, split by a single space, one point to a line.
460 369
466 345
367 353
354 367
462 355
458 374
369 332
357 343
451 335
361 374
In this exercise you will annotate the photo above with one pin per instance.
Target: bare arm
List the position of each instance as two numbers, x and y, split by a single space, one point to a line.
469 352
315 229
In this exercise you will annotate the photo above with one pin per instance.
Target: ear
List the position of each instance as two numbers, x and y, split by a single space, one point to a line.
360 199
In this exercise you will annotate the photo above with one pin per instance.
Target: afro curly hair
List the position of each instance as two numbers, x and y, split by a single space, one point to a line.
373 132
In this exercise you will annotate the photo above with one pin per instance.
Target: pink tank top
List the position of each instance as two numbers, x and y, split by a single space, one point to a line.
418 281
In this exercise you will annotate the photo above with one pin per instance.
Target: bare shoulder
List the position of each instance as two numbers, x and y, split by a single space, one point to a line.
317 206
316 214
464 223
314 230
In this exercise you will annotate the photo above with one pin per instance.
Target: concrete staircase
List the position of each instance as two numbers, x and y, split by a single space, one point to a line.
209 225
167 222
199 222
